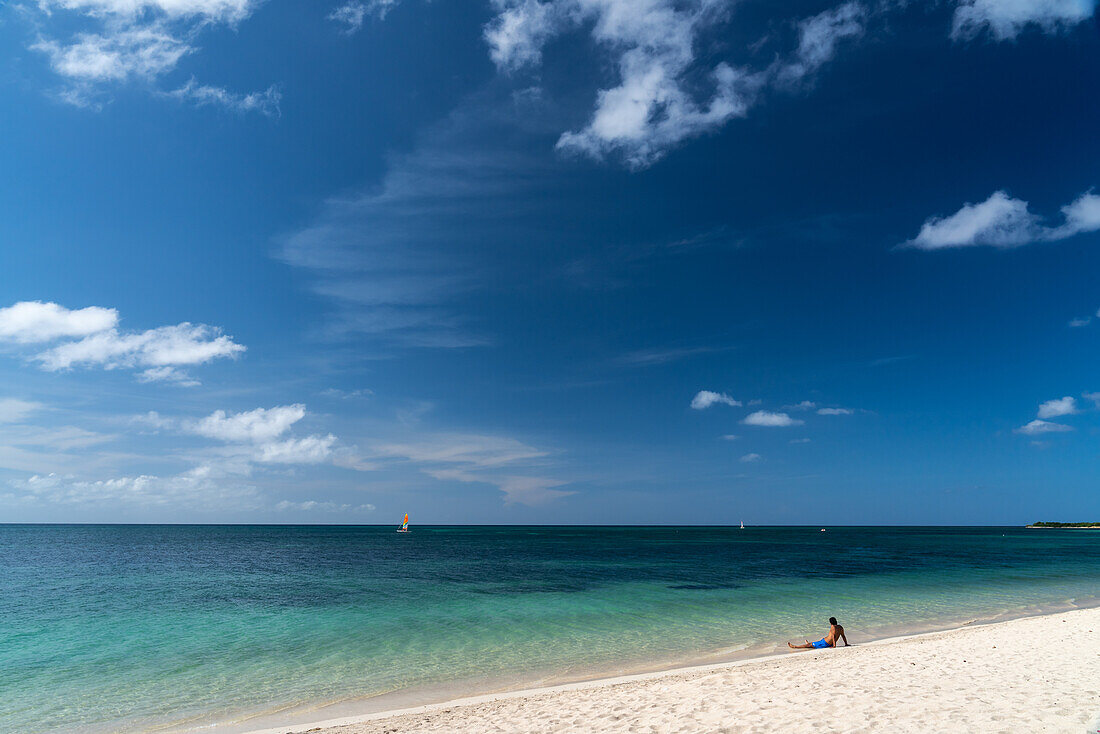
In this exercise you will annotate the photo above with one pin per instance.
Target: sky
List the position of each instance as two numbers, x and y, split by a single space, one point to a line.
549 261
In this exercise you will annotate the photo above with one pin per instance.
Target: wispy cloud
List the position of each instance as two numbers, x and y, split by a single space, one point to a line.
750 458
706 398
396 258
124 41
476 458
769 419
818 38
1038 427
202 95
1006 19
645 357
1003 221
196 491
334 392
352 14
13 410
317 506
184 491
834 411
474 450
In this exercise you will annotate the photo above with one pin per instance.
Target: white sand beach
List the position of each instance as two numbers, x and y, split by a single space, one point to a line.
1038 674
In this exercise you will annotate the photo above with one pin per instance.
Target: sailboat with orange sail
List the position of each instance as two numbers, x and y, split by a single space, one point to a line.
404 525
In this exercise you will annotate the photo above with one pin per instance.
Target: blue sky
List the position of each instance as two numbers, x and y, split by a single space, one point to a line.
638 261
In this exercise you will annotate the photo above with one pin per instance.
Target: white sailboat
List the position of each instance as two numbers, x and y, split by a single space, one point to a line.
404 525
742 524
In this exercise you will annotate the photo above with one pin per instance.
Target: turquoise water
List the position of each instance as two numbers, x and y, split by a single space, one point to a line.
175 628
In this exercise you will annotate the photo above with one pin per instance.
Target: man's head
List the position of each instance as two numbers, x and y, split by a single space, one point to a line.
832 621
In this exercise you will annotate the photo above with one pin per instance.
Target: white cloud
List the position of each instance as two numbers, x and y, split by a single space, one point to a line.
516 35
266 102
663 96
353 13
186 490
259 437
653 41
316 506
254 426
730 437
1002 221
121 41
804 405
834 411
750 458
167 374
706 398
199 489
144 52
799 440
818 38
651 110
1005 19
28 322
165 346
13 410
335 392
158 351
1058 407
308 450
1078 323
1037 427
224 11
1081 215
769 419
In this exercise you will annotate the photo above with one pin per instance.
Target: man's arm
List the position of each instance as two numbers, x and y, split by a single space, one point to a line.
843 637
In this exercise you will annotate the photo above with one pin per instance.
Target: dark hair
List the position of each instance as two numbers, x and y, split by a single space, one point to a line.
832 620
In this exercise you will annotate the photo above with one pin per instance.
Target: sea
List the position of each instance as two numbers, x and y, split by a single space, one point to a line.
155 628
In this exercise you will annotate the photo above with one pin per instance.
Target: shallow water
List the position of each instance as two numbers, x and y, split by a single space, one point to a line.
135 628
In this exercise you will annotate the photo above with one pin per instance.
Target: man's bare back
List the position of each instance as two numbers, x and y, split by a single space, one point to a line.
836 632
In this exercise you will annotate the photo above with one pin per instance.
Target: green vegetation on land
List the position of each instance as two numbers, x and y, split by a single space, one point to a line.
1064 525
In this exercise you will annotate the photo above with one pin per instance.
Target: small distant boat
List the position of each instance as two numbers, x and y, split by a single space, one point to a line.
404 525
823 530
742 524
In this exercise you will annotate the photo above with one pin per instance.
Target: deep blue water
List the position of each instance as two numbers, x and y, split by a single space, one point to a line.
127 628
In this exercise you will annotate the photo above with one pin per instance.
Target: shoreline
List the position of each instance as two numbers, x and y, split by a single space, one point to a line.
354 723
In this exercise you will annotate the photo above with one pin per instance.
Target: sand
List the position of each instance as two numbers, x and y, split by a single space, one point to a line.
1039 674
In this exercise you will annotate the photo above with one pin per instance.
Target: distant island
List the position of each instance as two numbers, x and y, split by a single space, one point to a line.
1064 525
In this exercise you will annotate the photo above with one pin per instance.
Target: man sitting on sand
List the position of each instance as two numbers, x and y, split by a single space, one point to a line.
836 632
